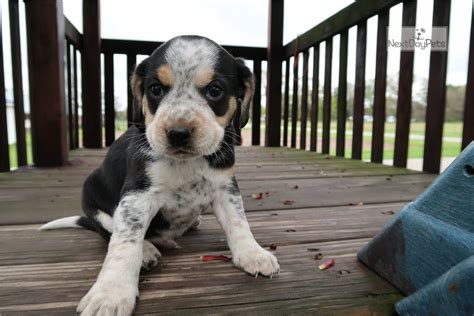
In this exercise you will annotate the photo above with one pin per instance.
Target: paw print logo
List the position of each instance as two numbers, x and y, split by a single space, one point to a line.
419 32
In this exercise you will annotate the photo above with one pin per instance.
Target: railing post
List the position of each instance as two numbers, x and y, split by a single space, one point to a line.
91 91
45 37
4 148
275 58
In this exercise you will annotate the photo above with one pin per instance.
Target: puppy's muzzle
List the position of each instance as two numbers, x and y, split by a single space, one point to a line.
179 137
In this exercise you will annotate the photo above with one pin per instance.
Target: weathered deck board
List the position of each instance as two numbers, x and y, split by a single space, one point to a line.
182 281
338 206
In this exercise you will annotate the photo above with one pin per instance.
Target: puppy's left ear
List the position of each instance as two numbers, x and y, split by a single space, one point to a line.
138 77
245 91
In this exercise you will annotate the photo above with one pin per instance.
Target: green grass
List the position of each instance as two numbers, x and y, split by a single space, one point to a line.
450 147
415 148
13 154
451 129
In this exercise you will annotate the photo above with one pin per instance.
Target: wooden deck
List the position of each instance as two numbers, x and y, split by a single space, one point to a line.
315 204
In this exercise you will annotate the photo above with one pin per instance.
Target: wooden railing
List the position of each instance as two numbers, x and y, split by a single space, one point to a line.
73 46
356 15
55 114
74 66
131 49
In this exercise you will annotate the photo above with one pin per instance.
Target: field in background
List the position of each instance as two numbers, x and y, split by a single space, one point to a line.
451 140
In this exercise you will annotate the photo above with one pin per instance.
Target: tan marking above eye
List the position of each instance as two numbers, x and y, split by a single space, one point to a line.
165 75
225 119
204 75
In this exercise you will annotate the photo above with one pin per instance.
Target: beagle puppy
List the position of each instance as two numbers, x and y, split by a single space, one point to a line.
177 161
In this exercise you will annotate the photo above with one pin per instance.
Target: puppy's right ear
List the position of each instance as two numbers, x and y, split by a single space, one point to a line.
137 81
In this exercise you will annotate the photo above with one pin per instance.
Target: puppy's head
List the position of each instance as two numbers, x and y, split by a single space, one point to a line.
188 93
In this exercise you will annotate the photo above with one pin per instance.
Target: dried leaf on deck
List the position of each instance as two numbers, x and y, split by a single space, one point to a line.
328 264
207 258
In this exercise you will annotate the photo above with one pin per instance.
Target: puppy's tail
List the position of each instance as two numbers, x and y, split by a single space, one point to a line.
69 222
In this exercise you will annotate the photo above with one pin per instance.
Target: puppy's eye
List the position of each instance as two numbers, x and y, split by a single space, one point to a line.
214 92
157 90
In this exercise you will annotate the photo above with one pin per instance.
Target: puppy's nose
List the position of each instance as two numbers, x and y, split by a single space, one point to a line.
179 136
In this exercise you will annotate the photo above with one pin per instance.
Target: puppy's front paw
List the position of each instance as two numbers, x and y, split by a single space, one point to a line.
151 255
109 298
255 260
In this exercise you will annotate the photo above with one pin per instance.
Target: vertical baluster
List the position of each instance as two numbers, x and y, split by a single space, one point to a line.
304 101
286 103
294 105
468 125
17 82
342 96
314 99
405 84
109 99
436 101
378 127
327 98
131 61
4 148
256 106
359 92
69 97
76 101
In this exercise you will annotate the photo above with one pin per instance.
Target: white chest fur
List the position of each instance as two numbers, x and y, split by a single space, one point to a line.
184 190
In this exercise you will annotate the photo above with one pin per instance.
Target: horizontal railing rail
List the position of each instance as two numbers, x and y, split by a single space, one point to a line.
119 46
132 48
346 18
73 36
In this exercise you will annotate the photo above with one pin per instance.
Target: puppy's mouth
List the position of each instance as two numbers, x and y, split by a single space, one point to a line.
181 153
